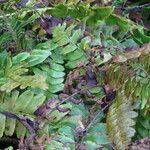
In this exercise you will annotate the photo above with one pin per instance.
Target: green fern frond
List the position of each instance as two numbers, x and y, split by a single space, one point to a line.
96 136
16 33
142 126
26 103
65 128
36 57
54 73
15 73
67 39
14 76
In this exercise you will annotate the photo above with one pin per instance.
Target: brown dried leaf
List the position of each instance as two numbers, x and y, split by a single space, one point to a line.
46 108
132 54
143 144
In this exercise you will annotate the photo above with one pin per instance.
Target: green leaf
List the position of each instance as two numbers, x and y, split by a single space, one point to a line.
97 138
20 57
74 64
10 126
96 90
118 20
54 81
80 12
74 55
59 10
56 74
99 13
20 130
140 37
69 48
100 127
54 145
23 101
2 124
3 59
9 148
79 110
67 131
92 145
143 133
57 58
49 45
35 103
56 66
55 88
37 57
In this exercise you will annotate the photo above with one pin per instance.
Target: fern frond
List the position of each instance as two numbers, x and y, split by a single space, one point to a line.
142 126
15 73
16 33
36 57
96 136
16 77
127 75
120 122
26 103
122 77
67 39
66 131
54 73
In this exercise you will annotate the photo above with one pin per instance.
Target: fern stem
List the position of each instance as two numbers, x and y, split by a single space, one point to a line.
96 116
73 96
27 11
84 27
94 119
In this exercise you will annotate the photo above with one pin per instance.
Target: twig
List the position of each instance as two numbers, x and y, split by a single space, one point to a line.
73 96
84 27
28 11
68 98
93 120
134 8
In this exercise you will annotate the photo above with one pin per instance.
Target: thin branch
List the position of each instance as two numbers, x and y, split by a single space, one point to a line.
28 11
134 8
94 119
69 97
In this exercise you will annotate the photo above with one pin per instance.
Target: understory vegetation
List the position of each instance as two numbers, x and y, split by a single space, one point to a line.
74 75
